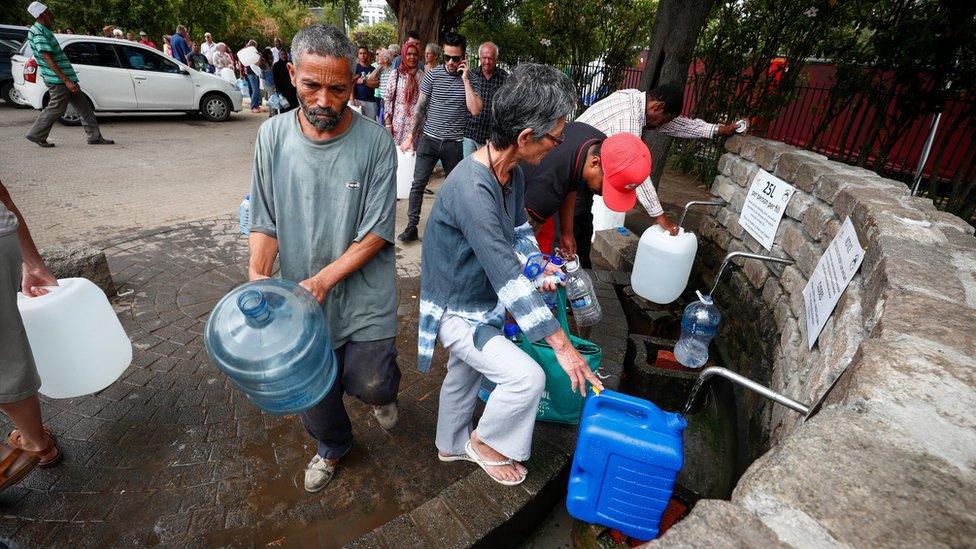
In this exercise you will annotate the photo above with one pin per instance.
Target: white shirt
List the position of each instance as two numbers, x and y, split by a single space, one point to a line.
208 50
275 54
624 111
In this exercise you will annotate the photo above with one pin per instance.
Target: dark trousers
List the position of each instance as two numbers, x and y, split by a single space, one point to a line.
59 99
368 371
429 151
583 225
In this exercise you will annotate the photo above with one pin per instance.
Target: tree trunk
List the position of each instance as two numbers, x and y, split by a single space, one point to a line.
676 28
430 18
423 16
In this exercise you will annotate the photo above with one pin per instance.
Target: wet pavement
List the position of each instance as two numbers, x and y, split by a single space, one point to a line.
172 454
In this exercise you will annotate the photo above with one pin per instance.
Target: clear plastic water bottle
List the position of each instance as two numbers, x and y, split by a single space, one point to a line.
699 324
513 334
270 338
582 298
244 214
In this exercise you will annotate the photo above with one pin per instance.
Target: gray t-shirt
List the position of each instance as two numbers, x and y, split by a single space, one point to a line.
317 198
8 221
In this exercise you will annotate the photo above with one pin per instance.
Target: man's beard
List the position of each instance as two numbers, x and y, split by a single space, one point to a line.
323 118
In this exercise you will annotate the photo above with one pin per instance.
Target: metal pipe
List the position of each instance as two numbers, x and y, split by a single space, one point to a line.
717 202
746 255
712 371
926 150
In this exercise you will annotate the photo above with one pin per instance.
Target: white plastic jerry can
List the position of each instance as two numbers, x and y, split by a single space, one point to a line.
406 161
604 218
663 264
78 343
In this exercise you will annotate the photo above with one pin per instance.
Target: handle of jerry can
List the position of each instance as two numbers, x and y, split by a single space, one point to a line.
640 409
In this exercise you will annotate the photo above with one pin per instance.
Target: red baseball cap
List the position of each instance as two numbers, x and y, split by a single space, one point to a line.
626 164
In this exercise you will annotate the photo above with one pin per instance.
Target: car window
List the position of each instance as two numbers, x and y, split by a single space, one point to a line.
139 59
97 54
9 46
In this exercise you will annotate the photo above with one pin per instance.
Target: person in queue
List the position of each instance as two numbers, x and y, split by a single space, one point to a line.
561 187
486 81
476 242
401 92
447 97
323 197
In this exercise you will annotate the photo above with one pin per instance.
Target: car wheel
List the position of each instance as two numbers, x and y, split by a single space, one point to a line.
11 96
71 117
215 107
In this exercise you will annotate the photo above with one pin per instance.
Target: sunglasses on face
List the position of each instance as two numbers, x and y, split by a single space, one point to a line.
455 58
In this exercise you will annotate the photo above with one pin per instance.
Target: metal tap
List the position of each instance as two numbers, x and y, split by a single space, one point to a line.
712 371
717 202
746 255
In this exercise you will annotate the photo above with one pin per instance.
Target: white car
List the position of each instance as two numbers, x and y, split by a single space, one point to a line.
118 76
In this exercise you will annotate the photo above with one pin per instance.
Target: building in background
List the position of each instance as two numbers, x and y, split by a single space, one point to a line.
374 11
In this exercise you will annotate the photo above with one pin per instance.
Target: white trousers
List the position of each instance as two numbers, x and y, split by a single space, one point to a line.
509 417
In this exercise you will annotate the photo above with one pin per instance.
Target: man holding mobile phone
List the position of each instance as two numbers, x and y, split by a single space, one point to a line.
446 99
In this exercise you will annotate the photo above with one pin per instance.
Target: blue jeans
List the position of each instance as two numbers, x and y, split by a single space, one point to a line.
470 145
368 371
255 90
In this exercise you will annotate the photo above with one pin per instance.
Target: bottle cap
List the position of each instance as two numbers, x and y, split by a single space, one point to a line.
511 329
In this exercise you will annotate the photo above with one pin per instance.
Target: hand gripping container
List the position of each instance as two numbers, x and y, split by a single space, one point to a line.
270 338
627 458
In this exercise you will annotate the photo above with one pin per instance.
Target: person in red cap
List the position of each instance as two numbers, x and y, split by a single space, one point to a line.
559 190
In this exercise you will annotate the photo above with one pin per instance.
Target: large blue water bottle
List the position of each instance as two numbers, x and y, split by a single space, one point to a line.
699 325
627 458
270 338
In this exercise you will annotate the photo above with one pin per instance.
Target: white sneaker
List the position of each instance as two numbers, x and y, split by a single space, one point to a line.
386 415
318 473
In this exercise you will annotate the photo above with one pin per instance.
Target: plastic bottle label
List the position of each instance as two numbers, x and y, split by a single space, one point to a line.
581 302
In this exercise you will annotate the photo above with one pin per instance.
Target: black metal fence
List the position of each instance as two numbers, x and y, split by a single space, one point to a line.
874 132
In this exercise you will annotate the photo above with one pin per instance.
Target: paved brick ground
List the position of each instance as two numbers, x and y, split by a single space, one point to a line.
164 170
172 454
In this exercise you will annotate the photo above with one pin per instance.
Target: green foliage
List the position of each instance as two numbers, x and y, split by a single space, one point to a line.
376 36
230 21
605 35
551 31
898 60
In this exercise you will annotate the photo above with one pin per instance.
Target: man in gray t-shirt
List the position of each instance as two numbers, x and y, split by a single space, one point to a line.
323 197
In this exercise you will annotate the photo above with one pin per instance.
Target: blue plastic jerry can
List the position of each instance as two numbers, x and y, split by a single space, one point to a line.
627 458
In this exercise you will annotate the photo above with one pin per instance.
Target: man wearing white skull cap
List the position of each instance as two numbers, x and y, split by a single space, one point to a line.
61 80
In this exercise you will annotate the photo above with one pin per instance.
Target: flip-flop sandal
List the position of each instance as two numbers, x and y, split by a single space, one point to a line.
13 439
484 464
15 464
454 457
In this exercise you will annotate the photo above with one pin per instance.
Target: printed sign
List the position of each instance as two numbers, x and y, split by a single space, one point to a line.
834 272
764 207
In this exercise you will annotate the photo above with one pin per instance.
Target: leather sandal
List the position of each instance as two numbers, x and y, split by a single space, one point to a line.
44 456
15 464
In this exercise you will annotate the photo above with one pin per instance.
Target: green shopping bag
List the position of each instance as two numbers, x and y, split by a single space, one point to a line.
559 403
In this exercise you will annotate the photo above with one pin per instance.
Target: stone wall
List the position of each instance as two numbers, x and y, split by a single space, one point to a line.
890 459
